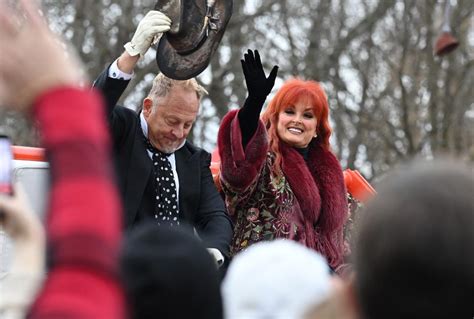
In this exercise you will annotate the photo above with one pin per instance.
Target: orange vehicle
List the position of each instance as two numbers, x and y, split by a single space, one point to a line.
31 171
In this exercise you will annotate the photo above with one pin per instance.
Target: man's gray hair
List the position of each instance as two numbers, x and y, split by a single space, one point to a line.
163 84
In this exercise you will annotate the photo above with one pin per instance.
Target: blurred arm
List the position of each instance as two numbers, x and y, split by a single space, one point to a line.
84 217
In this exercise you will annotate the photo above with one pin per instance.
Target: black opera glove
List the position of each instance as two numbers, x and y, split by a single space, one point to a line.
258 85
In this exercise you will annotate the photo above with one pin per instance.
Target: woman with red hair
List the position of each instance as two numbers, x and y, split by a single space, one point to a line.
280 178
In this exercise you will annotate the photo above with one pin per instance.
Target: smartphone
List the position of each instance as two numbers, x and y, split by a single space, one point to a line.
6 166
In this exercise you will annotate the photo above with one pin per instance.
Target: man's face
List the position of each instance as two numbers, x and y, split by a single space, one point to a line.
170 118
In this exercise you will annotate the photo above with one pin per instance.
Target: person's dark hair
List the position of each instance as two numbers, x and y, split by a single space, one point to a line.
167 273
415 242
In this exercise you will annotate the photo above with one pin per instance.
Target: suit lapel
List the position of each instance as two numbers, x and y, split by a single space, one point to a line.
187 166
137 175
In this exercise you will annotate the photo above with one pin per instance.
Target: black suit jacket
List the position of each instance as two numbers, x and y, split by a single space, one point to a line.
200 205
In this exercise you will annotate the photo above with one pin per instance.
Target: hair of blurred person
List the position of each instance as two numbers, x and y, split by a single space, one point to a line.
275 279
415 242
169 274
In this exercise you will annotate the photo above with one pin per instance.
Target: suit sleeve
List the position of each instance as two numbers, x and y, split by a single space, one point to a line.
111 89
84 216
212 222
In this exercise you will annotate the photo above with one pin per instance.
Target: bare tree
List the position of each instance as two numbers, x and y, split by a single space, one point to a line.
391 99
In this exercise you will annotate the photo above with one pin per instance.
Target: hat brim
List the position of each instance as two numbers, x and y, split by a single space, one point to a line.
185 66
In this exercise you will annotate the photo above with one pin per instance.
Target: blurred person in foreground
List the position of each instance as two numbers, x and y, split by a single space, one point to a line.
83 225
163 178
339 304
168 274
275 279
415 242
279 176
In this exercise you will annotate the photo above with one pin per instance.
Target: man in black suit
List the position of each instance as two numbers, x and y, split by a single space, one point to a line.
163 178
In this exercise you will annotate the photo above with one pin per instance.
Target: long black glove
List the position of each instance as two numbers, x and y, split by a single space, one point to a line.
258 86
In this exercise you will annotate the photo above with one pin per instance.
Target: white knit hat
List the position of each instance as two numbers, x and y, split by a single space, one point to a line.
278 279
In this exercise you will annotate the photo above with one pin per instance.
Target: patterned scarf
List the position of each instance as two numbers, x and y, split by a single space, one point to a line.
166 208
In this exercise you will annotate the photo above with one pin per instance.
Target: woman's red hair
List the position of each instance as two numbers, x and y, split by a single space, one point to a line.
293 91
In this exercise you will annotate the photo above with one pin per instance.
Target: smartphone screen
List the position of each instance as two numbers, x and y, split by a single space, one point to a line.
6 166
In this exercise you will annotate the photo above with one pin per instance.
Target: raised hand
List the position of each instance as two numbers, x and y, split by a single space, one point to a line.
33 59
258 85
151 26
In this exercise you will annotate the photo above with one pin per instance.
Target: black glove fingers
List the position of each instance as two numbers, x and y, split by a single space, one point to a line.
252 60
250 54
258 84
246 58
258 61
244 68
272 76
248 64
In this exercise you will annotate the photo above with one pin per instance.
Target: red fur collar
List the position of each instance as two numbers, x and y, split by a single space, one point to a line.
318 184
302 183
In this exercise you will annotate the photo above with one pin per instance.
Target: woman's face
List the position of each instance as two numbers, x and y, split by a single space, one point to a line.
297 124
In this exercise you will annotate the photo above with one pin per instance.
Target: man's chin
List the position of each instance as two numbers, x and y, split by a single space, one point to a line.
169 149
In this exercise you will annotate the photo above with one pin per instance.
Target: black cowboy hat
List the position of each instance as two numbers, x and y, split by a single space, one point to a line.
196 30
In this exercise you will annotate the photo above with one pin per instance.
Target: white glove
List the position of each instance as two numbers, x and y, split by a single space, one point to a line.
151 26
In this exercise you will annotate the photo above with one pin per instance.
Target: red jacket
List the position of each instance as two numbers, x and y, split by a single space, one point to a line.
84 216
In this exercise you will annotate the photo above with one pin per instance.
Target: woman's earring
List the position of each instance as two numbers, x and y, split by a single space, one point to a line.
315 135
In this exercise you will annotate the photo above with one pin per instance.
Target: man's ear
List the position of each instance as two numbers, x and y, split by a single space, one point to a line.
147 106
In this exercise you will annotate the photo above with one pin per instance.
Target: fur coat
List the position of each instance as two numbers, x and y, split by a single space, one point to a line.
307 204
